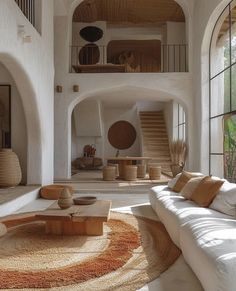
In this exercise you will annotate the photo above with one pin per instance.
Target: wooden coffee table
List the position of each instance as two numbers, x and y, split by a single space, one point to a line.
76 220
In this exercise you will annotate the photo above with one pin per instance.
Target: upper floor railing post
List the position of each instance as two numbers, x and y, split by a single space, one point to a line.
93 59
28 9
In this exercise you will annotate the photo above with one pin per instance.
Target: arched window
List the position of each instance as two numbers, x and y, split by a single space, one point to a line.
222 103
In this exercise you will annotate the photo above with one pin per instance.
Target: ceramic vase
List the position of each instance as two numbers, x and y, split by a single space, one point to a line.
10 170
65 200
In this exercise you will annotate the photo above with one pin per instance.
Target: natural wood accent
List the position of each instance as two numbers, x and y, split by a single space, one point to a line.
155 139
145 55
78 219
125 161
226 24
129 11
122 135
106 68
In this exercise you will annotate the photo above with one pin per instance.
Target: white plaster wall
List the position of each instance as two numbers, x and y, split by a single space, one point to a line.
31 66
150 106
87 127
18 123
169 86
176 33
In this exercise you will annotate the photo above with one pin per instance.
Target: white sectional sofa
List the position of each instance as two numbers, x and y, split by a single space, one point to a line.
206 237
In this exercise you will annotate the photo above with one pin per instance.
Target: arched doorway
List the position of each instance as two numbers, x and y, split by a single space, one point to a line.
92 116
26 129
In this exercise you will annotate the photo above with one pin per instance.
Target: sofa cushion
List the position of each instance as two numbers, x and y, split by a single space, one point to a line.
208 246
174 210
172 182
206 191
225 200
190 187
183 179
159 191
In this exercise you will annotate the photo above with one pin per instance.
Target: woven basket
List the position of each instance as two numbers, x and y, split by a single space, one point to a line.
116 166
53 192
109 173
131 173
141 173
10 170
155 172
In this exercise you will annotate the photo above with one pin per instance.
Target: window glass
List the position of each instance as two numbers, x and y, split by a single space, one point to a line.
217 165
220 94
217 135
220 45
230 147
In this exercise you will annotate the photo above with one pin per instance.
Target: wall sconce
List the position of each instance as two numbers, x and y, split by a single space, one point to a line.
22 34
59 89
76 88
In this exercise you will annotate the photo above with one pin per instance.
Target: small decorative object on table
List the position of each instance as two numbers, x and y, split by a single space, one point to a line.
65 200
85 200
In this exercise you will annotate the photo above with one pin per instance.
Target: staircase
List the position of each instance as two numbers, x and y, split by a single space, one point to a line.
155 139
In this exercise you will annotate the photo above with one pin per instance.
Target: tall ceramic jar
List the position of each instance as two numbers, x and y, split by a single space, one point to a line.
10 170
65 200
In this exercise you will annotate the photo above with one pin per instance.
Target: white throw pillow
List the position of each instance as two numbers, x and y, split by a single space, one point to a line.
190 187
172 182
225 200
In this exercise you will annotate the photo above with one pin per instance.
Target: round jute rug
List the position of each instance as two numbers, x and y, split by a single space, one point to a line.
132 252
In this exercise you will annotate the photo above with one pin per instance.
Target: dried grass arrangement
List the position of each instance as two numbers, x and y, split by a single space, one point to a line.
178 152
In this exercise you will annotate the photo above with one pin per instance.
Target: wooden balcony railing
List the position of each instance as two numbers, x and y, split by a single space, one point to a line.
28 9
96 59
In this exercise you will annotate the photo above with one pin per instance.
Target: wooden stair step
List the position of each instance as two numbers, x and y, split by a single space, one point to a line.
150 112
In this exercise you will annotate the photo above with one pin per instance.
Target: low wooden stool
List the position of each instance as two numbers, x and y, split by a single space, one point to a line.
131 173
109 173
154 172
141 171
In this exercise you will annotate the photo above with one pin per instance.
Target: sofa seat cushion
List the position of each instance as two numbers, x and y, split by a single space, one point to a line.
208 246
174 210
159 191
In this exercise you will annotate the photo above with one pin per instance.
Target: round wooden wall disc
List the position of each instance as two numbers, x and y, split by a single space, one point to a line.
122 135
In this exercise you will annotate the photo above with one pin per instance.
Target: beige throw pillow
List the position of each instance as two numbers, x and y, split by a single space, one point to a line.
183 180
190 187
206 191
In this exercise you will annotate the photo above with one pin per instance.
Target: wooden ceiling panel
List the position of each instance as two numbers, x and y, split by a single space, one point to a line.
132 11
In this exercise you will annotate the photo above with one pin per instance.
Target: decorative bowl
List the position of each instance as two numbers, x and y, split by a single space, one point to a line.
85 200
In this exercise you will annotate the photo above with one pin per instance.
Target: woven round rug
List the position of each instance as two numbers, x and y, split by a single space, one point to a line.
132 252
